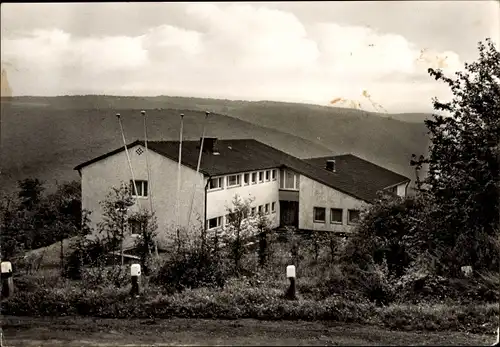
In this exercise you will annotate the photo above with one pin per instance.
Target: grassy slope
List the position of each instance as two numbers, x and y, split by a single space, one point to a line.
46 137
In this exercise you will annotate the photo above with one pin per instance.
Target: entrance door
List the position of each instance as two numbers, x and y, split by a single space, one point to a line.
289 213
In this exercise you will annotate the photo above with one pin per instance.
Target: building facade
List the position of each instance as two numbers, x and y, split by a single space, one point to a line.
313 194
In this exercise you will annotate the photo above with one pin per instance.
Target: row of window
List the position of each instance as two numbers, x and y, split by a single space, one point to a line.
336 215
230 181
261 209
288 180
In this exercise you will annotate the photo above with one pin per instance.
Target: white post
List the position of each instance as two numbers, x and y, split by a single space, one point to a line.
7 280
135 274
466 270
290 274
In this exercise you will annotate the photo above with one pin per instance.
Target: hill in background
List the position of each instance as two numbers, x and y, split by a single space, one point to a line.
46 137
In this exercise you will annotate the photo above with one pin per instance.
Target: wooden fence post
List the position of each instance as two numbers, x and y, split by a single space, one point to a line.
135 274
7 280
290 274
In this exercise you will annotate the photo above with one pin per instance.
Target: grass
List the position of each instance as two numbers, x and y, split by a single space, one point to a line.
241 300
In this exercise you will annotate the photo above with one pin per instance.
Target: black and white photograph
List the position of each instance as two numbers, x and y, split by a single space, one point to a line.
250 173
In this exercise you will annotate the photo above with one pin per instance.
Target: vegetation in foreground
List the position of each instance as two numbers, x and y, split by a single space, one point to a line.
402 268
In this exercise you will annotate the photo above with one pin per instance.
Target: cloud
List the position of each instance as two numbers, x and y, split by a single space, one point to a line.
255 38
235 51
52 49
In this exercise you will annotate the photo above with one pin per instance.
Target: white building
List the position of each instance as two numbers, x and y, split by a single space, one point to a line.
312 194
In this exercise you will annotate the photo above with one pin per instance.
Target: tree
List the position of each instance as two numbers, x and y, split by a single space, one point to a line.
35 220
263 231
84 250
63 214
239 227
115 216
31 192
463 176
147 225
11 236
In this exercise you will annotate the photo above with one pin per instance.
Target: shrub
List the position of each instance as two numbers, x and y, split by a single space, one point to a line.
388 230
103 276
373 283
193 269
473 318
43 279
85 252
240 299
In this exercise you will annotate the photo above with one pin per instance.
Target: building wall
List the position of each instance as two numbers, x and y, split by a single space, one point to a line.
99 177
401 190
314 194
218 201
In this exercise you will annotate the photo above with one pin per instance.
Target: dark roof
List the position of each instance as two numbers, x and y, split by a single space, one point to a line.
249 155
358 172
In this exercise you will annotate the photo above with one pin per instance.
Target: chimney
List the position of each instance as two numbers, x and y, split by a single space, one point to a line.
330 165
210 145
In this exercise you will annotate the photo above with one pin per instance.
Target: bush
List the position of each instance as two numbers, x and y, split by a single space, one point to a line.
43 279
374 283
241 299
85 252
106 276
191 270
473 318
237 300
388 230
419 287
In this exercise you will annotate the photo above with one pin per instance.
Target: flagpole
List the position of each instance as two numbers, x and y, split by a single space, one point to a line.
150 183
198 168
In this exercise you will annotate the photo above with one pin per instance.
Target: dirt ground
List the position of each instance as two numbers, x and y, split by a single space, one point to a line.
80 331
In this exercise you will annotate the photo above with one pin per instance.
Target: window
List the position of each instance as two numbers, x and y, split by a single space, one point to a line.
214 222
253 211
216 183
267 209
273 207
254 177
246 179
142 188
268 175
274 175
135 226
353 216
230 217
260 209
233 180
289 180
261 176
319 214
236 217
336 216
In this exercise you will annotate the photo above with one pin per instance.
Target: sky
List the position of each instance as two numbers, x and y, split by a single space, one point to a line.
373 55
